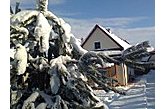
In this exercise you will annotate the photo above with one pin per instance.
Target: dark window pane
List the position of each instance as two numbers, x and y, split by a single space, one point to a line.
97 45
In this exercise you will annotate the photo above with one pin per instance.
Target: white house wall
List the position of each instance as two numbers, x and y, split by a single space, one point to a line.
105 41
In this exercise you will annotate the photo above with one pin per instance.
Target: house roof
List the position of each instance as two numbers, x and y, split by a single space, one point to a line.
120 42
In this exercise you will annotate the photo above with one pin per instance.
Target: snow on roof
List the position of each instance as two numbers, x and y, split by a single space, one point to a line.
123 43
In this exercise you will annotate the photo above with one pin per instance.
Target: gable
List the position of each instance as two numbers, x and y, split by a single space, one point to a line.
99 35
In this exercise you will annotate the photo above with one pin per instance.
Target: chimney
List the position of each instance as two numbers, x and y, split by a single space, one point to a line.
82 39
108 29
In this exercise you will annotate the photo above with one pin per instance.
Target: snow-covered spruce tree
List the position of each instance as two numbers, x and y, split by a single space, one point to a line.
50 76
49 68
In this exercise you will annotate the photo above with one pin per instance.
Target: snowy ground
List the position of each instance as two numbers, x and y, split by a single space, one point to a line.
139 96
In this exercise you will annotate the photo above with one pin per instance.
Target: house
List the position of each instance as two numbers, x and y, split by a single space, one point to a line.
103 40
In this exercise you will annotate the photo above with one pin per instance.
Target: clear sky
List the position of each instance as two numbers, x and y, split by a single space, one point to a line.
133 20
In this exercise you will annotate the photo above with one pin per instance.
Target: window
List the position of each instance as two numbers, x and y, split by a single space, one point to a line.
97 45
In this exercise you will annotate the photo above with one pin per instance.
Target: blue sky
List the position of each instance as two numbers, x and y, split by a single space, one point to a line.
133 20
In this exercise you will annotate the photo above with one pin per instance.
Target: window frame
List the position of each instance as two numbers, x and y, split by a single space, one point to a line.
97 47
